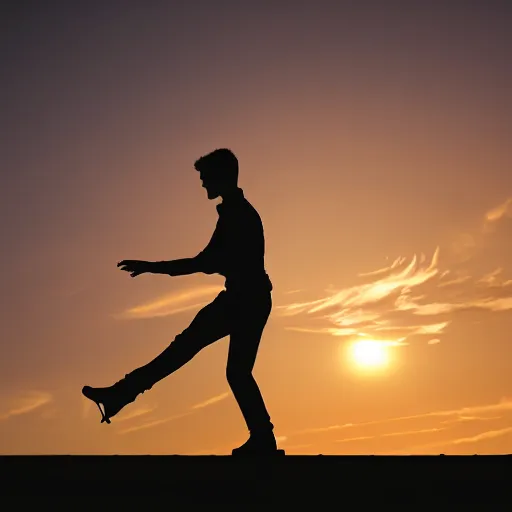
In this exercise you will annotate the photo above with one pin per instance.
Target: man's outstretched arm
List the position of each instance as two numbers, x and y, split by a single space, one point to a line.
181 267
172 268
204 262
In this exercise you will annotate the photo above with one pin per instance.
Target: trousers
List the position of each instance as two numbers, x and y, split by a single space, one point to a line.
242 317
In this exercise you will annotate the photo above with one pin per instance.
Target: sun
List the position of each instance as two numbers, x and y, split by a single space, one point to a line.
370 354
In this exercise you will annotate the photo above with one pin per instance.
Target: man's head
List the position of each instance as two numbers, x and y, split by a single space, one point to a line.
218 171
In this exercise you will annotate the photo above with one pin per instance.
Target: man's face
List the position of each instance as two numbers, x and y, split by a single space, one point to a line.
211 185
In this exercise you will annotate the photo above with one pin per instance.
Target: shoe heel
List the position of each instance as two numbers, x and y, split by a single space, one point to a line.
104 418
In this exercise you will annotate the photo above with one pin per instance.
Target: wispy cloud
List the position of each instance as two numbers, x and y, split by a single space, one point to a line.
410 297
396 263
363 309
498 212
25 403
473 411
491 277
465 419
367 293
389 304
490 434
454 281
211 401
483 436
154 422
135 413
173 303
391 434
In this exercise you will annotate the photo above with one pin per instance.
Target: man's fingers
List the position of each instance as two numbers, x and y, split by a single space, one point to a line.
130 266
126 262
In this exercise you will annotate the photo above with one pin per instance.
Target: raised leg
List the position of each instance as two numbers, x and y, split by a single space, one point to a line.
208 326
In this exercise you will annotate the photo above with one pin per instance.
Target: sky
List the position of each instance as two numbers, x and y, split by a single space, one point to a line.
374 141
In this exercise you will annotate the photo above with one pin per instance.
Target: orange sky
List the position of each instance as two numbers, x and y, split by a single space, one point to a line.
374 142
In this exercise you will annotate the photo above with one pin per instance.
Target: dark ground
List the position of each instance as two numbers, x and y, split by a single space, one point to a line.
345 481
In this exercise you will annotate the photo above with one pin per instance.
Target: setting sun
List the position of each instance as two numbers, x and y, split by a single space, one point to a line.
370 354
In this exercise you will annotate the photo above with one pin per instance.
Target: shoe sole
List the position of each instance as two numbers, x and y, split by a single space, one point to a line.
261 454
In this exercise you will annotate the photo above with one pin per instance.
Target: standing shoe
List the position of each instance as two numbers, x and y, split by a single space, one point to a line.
263 443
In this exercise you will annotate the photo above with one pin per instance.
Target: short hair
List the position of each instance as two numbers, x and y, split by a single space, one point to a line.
221 163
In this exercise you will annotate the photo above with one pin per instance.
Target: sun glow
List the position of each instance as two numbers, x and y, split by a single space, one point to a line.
370 354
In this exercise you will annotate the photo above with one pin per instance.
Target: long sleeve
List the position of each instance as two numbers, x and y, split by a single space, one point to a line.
208 259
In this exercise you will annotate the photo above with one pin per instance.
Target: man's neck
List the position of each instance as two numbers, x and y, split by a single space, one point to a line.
231 194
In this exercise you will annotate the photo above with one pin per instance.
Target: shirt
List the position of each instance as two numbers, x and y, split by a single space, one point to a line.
237 247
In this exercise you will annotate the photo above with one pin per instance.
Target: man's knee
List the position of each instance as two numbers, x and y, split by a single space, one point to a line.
236 375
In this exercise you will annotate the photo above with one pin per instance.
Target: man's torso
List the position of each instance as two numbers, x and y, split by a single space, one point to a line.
237 247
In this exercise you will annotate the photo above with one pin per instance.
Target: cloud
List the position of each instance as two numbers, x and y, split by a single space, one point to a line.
452 282
155 422
489 434
173 303
504 405
25 403
416 300
491 277
135 413
211 401
390 434
397 262
438 308
362 309
410 297
498 212
465 419
368 293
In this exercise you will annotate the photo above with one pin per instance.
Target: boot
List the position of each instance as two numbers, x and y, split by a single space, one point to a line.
117 396
259 443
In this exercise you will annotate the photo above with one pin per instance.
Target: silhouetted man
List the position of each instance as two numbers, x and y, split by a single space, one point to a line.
235 251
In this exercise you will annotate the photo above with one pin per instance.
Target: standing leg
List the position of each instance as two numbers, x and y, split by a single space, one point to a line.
250 318
208 326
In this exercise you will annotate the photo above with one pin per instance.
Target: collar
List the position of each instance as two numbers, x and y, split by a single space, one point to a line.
232 199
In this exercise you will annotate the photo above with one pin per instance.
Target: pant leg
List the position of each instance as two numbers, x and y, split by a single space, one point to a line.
209 325
249 316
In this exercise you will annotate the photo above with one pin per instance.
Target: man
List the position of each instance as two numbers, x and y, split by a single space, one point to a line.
235 251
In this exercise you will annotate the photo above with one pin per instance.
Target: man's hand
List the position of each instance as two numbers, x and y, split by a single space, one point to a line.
134 267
